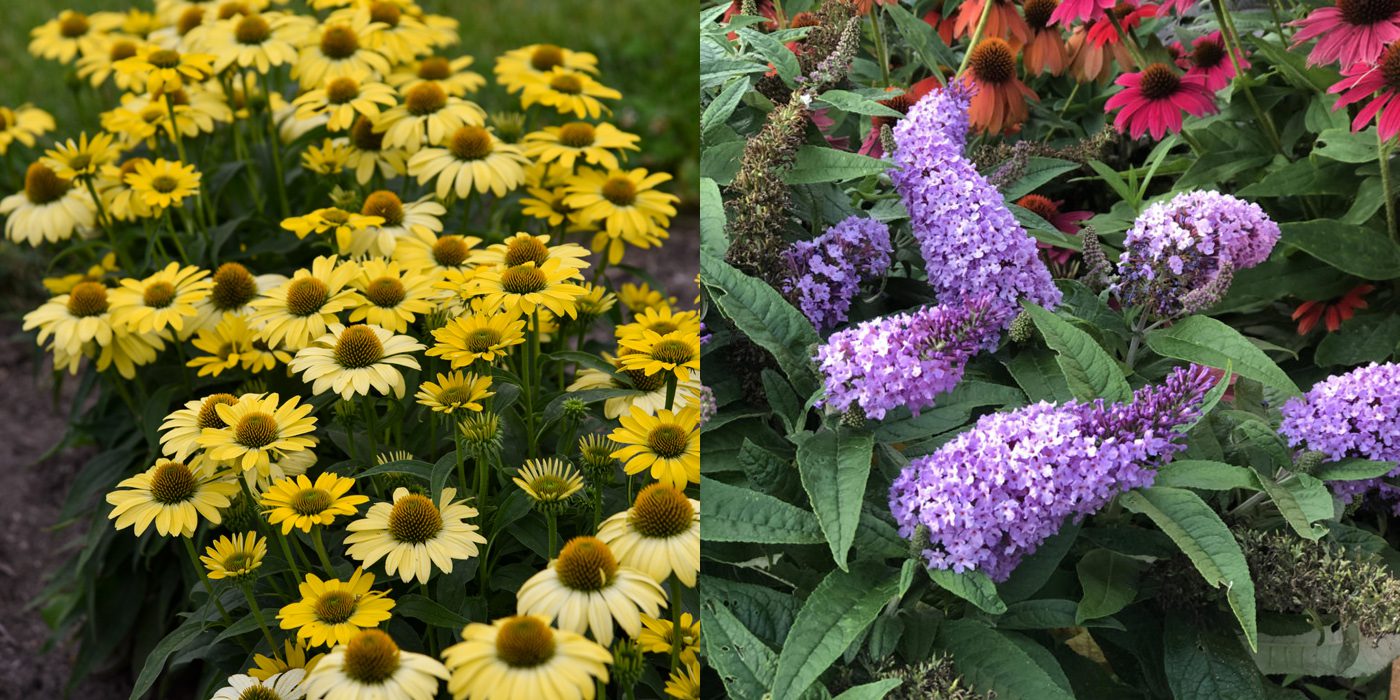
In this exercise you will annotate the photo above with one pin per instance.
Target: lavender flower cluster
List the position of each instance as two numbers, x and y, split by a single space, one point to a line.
906 359
970 241
993 494
1180 255
825 273
1352 415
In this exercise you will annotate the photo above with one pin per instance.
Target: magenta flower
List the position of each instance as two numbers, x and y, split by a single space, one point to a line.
1361 81
1152 100
1208 59
1355 31
1075 10
1178 6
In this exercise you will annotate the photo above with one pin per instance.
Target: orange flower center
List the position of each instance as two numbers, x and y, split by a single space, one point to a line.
385 205
471 143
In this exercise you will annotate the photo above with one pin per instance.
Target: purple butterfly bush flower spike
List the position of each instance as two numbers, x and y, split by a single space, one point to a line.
826 273
990 496
1180 255
1352 415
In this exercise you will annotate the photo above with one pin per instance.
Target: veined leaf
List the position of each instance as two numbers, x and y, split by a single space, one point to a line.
766 318
818 164
972 586
1352 249
990 661
1088 369
1205 475
1206 341
856 103
835 465
1110 583
743 663
734 514
837 612
1354 470
1204 665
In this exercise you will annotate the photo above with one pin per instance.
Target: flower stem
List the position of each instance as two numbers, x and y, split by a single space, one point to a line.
371 427
553 520
1384 148
1129 41
321 551
881 52
976 36
671 382
208 587
677 639
276 146
1234 50
461 459
257 615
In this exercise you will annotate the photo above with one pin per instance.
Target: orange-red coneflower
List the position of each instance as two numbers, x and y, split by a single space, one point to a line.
1000 101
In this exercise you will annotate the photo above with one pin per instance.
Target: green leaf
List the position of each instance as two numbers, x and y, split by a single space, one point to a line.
1037 373
990 661
155 661
972 586
1206 341
765 612
1205 475
713 220
836 613
818 164
774 52
743 663
1347 147
857 103
1325 653
1355 250
768 320
1115 181
922 38
951 410
870 691
1353 470
1207 542
1360 341
1110 583
413 467
1045 614
1038 171
734 514
1203 665
1089 371
835 465
720 108
1291 508
1302 178
425 609
720 161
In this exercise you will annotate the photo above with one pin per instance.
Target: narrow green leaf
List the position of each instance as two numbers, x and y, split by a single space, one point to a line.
1206 541
713 220
155 661
922 38
1361 340
766 318
856 103
425 609
1088 369
1110 582
972 586
720 108
1354 470
1205 475
734 514
1291 508
835 465
837 612
989 661
817 164
1206 341
870 691
1038 171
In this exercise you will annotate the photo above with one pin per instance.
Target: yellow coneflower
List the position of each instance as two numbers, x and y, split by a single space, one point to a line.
331 157
548 206
568 91
548 481
234 289
253 41
434 256
24 125
640 297
523 247
371 665
74 319
457 391
516 67
659 636
173 496
140 117
684 682
343 223
300 503
659 535
293 657
393 296
414 535
332 611
181 429
470 158
99 66
163 183
71 33
660 320
301 309
234 557
449 73
484 336
585 590
352 360
96 273
421 218
255 428
165 299
667 445
427 112
527 287
400 36
81 159
369 155
627 205
675 354
49 208
565 144
342 100
166 70
522 656
285 685
339 49
223 347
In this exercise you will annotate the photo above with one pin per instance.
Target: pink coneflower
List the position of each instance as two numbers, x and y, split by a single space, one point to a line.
1355 31
1208 59
1045 53
1130 15
1178 6
1362 80
1064 221
1003 22
1075 10
1152 100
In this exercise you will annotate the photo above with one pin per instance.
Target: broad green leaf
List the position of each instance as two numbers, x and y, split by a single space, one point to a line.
1291 509
818 164
1115 181
1038 171
743 663
856 103
1206 541
1364 339
1324 653
427 610
1212 398
1353 470
989 661
720 161
1036 569
713 220
766 612
773 51
1045 614
951 410
870 691
768 320
1089 371
155 661
1206 341
922 38
835 465
1110 583
1037 373
1205 475
1347 147
786 405
972 586
720 108
1359 251
734 514
836 613
1204 665
1301 178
